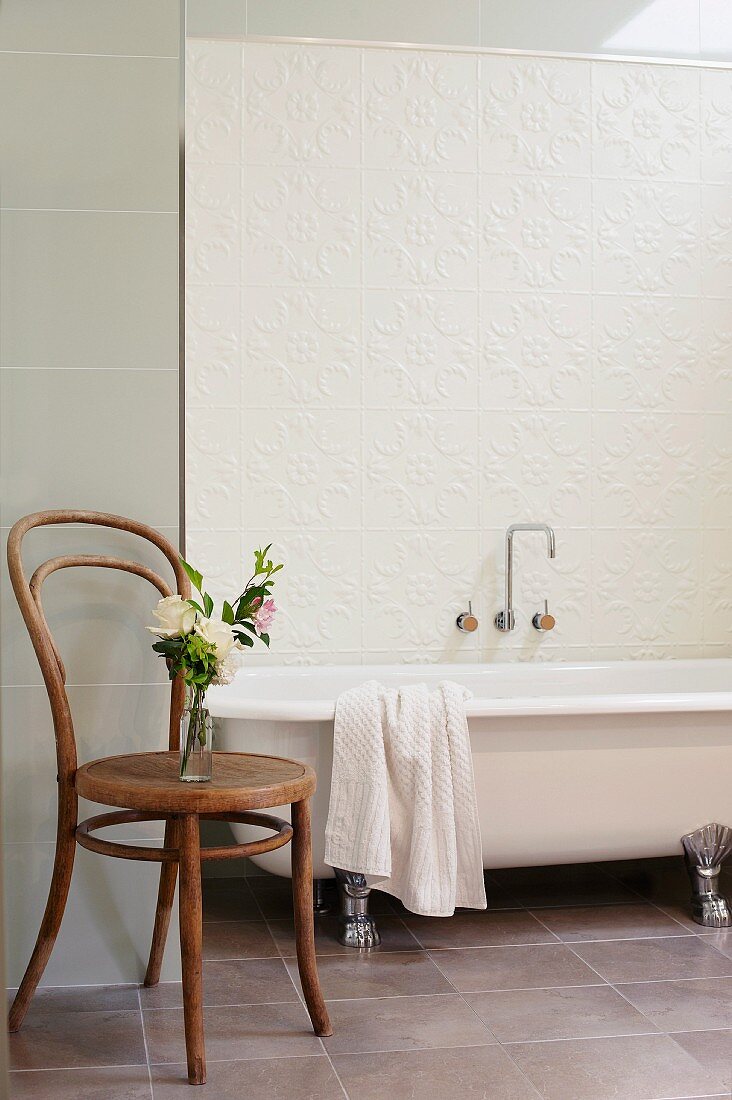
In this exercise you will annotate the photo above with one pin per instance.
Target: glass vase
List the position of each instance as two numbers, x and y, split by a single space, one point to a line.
196 737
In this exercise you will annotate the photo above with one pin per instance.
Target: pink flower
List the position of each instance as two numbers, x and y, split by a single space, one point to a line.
264 616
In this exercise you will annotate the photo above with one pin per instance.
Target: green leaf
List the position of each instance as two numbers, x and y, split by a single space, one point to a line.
195 605
194 576
227 613
208 604
245 639
265 639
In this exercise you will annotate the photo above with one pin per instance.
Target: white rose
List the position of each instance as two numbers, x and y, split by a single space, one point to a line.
175 616
218 634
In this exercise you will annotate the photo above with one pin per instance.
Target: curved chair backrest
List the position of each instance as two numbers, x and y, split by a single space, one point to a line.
28 595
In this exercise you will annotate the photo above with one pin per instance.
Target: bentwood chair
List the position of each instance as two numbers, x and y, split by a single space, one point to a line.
146 785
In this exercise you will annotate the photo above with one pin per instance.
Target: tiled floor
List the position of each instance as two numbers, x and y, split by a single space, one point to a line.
579 983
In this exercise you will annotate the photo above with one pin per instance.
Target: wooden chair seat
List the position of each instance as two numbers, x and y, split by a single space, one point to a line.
149 781
146 786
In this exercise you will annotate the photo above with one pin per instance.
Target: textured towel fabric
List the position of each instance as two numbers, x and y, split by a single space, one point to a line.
402 799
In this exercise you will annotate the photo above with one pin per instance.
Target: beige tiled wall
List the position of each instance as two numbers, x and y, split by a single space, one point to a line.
89 390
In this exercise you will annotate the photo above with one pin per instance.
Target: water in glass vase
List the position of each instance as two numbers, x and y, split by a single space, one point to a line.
196 737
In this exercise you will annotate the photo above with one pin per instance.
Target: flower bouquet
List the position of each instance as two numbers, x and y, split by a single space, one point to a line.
201 649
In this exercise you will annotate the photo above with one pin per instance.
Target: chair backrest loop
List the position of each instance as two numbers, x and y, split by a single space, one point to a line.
28 595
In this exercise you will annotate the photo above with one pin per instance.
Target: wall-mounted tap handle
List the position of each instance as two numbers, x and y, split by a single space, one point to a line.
542 620
466 620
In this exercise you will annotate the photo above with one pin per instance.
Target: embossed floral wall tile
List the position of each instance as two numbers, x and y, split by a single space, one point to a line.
301 226
300 468
421 469
420 109
716 125
536 351
302 105
716 353
647 353
213 102
533 465
646 238
646 121
716 241
717 588
535 233
321 596
414 582
535 116
648 469
420 230
421 349
301 347
213 469
717 480
213 359
647 587
213 221
431 293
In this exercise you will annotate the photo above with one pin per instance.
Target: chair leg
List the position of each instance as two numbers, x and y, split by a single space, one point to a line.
166 893
190 916
302 895
58 893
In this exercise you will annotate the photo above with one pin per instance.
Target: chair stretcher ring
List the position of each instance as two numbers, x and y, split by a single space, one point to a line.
282 835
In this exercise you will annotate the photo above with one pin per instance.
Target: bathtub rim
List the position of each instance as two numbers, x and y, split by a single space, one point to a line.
227 703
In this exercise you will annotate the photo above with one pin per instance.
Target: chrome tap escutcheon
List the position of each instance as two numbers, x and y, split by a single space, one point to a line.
466 620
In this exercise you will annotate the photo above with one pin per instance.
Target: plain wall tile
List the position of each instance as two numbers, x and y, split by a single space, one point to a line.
91 26
88 289
669 28
430 21
102 440
105 935
716 29
108 720
211 18
116 116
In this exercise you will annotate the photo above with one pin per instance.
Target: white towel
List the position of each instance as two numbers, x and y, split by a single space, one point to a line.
402 799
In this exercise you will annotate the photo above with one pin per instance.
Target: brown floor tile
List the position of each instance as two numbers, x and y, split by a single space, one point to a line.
470 1073
722 941
250 939
609 922
82 998
526 1015
680 911
274 897
492 928
580 884
228 899
118 1083
684 1006
403 1023
394 936
654 960
268 1078
484 968
234 982
66 1040
376 975
254 1031
636 1067
712 1049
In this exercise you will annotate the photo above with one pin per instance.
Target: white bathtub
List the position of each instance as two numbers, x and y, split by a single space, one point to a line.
573 762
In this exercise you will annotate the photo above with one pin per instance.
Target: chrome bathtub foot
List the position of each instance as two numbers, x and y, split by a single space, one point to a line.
357 929
705 850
